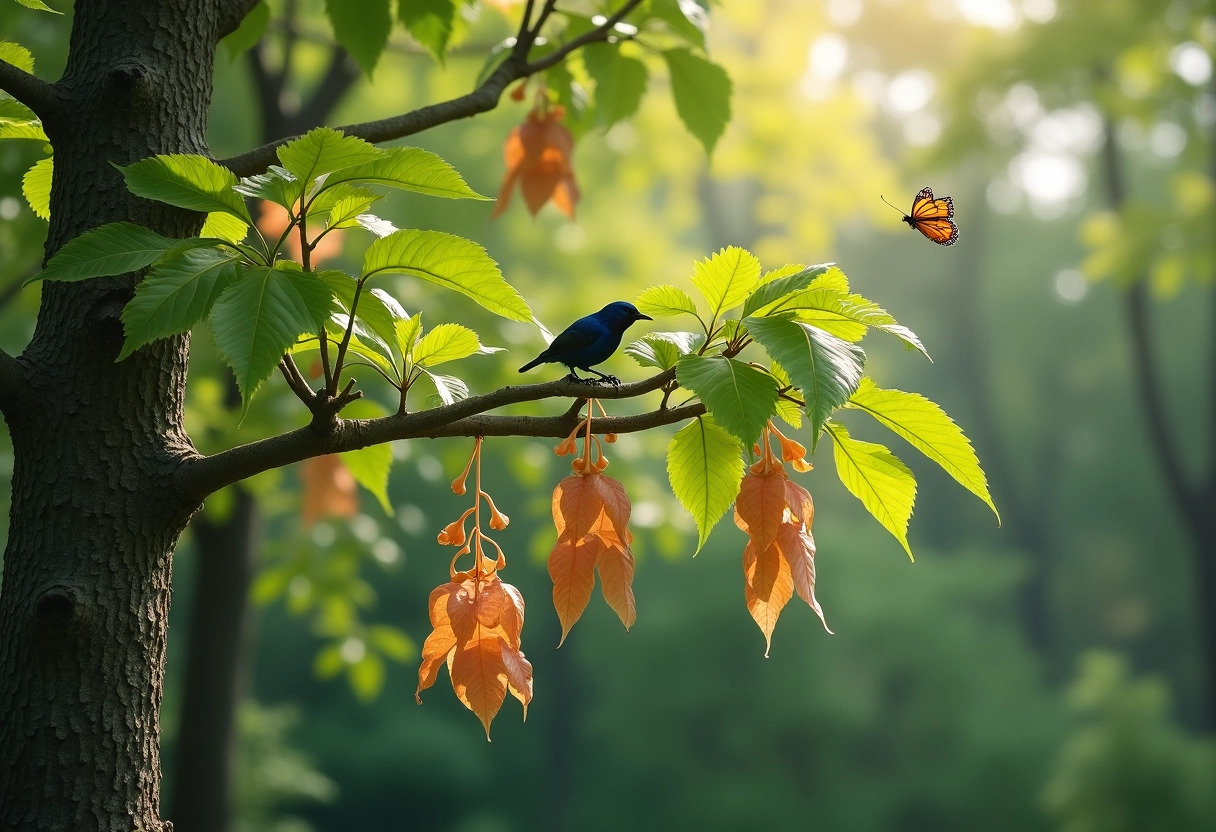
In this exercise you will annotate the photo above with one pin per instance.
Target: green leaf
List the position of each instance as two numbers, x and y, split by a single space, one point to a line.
252 27
875 476
17 55
278 185
845 316
176 294
362 26
826 368
790 412
377 308
114 248
686 18
38 6
366 676
429 22
392 641
409 169
449 261
221 226
36 186
726 279
705 468
701 90
773 290
13 110
187 181
370 467
664 301
449 389
446 342
407 330
927 428
324 150
620 81
345 210
663 349
328 662
259 317
741 398
31 130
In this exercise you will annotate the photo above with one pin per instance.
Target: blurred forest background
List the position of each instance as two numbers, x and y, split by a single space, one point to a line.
1052 673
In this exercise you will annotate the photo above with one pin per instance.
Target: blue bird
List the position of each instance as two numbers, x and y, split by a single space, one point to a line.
590 340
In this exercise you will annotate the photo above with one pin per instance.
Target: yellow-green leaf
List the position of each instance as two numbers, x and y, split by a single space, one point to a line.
928 429
874 475
705 467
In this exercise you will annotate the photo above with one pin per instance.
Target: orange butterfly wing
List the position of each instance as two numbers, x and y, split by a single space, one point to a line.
932 217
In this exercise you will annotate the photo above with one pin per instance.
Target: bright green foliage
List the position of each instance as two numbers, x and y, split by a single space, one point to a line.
663 349
324 150
620 81
114 248
878 478
177 293
825 368
362 26
685 17
222 226
17 55
252 27
702 94
410 169
38 6
187 181
726 279
448 389
928 429
772 290
741 398
665 301
347 209
277 184
429 22
705 469
259 318
447 342
36 187
449 261
370 466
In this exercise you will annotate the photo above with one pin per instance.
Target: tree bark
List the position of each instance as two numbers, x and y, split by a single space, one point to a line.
94 517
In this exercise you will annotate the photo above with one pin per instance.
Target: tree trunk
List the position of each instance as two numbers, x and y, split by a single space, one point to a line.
85 598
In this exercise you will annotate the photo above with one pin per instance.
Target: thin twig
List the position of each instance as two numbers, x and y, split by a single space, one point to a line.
30 90
481 100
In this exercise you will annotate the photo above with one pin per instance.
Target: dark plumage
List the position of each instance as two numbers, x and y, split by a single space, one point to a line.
590 340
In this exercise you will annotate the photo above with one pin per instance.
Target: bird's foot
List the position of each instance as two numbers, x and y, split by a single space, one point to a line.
579 379
613 380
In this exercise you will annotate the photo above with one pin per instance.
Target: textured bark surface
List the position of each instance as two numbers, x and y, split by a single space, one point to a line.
85 598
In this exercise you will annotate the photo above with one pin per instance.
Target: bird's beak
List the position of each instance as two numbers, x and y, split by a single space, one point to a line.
642 317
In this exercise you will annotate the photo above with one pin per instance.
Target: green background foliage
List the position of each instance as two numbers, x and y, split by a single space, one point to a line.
929 708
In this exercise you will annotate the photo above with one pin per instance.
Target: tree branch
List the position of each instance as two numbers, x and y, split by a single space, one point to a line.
231 13
481 100
199 476
30 90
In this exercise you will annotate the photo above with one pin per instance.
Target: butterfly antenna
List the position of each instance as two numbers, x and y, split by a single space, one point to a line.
884 199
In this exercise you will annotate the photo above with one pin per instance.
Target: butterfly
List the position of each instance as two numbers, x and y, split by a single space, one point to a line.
932 217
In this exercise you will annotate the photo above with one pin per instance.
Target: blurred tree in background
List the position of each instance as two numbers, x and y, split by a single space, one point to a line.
1077 140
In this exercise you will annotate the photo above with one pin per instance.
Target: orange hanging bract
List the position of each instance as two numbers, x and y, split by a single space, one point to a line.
539 155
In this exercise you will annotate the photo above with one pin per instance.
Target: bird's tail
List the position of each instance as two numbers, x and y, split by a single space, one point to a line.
534 362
